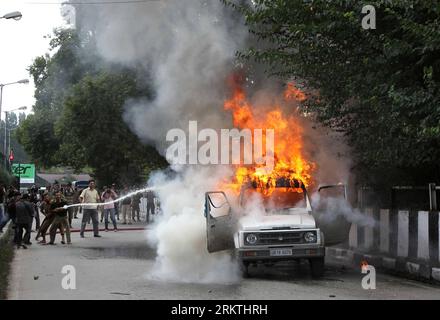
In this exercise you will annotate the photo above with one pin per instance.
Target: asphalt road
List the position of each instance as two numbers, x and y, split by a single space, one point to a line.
117 266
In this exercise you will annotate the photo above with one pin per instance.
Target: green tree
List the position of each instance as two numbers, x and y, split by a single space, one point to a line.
77 119
93 133
53 76
380 87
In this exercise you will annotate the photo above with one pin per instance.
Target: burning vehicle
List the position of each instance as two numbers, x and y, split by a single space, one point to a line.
271 218
287 229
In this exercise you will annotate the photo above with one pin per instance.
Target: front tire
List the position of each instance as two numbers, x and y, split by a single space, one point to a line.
317 267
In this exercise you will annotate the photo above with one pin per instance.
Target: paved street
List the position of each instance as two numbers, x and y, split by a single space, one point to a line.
117 266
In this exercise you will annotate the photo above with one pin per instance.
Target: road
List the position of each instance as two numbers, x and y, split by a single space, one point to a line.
118 265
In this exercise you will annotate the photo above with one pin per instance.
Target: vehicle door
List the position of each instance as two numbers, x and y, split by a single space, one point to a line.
331 211
220 224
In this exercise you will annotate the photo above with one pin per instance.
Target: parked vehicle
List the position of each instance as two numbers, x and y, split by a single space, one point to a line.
80 184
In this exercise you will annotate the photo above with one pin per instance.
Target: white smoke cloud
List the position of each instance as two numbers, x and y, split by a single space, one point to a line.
186 47
333 209
180 234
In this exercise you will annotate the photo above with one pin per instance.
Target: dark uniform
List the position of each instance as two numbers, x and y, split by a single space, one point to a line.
60 220
23 219
69 194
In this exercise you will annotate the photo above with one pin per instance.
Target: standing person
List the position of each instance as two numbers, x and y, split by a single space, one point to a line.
75 201
49 190
101 208
48 219
23 219
116 203
60 218
10 199
126 208
109 208
33 194
10 205
55 188
150 204
136 200
69 194
90 195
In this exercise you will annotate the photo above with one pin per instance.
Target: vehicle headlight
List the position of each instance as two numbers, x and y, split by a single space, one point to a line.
310 236
251 238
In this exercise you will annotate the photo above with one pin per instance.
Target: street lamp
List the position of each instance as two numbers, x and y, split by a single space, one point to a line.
9 144
6 126
23 81
16 15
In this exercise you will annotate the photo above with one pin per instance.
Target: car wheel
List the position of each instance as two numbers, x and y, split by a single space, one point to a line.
317 266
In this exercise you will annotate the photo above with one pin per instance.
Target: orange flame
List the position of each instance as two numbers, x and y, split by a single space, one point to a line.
289 159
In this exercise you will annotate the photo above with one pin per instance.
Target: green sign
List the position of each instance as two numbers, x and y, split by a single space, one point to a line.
25 171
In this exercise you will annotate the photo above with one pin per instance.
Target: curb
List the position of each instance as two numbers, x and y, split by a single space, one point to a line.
435 274
419 270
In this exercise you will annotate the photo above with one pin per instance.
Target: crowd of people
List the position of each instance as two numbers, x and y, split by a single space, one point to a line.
59 205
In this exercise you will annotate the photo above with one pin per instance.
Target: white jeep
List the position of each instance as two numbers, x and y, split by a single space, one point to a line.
289 229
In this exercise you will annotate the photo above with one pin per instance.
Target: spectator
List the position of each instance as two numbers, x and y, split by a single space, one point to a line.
109 209
101 208
126 208
150 204
90 196
75 201
10 199
116 203
136 200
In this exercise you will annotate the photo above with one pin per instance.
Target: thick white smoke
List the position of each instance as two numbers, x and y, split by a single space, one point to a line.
180 234
186 47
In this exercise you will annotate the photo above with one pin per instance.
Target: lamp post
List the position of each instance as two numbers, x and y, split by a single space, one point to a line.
16 15
9 145
23 81
6 128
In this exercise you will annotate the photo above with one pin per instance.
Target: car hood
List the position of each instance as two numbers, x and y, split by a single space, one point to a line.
301 220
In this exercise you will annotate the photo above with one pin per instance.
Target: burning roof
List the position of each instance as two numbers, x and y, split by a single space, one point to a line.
290 164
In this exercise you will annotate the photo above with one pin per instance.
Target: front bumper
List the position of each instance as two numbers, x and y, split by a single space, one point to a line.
264 254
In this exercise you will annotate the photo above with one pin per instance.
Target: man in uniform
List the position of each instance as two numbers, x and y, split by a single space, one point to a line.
60 219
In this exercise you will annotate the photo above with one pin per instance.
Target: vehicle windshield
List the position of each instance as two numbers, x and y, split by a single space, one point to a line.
277 200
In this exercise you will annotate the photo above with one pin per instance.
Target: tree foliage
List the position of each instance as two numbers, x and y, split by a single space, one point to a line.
93 133
380 87
77 119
